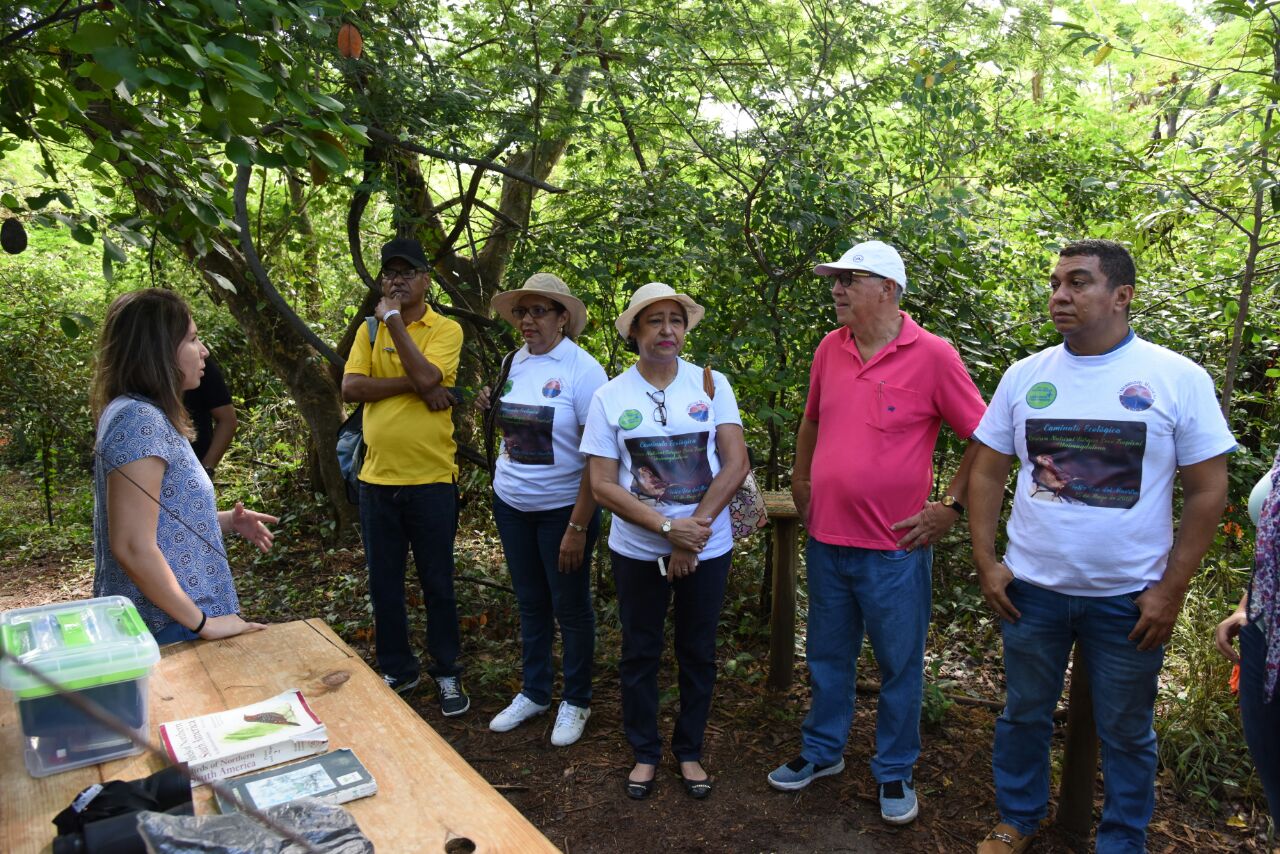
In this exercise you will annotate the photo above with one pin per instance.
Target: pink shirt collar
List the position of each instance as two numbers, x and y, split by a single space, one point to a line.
908 334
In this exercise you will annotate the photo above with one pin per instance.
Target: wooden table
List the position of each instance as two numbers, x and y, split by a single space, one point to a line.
428 796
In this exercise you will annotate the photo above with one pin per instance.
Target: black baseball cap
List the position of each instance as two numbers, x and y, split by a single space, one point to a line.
406 249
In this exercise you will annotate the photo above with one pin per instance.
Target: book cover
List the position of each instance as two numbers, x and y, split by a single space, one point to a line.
237 741
334 778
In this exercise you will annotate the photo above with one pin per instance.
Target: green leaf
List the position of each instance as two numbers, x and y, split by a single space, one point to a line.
10 202
221 281
81 234
194 54
35 203
90 37
121 61
241 151
324 102
330 155
113 251
69 327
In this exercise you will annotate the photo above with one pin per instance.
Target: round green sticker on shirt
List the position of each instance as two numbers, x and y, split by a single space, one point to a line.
506 389
630 419
1041 395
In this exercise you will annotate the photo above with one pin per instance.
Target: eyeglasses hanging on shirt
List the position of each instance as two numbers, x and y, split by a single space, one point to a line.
660 413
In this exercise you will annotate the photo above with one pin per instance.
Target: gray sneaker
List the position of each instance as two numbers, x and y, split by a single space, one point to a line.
453 701
800 772
401 686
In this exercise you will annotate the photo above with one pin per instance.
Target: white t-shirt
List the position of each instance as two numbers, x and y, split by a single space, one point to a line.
541 407
668 468
1099 439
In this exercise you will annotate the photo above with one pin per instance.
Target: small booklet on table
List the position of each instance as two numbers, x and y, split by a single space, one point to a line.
334 778
237 741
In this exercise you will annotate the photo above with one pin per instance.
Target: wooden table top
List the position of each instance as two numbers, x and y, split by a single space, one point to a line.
428 796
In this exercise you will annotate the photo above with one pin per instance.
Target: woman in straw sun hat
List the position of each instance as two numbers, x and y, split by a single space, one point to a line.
547 518
666 457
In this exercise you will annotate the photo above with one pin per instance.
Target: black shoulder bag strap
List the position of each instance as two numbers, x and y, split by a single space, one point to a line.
491 414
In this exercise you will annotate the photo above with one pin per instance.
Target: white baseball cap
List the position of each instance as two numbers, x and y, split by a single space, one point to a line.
873 256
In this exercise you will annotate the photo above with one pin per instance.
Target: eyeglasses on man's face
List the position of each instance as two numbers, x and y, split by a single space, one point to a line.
403 274
659 413
847 278
537 312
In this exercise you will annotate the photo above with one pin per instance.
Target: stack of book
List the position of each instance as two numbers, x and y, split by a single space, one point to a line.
263 736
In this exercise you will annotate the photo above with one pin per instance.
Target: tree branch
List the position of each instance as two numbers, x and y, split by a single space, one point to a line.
389 139
241 190
47 21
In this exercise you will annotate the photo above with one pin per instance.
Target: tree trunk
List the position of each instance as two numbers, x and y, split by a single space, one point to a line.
304 372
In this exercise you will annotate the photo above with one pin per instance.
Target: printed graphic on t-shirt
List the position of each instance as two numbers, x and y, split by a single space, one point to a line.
1097 463
670 469
526 433
1137 396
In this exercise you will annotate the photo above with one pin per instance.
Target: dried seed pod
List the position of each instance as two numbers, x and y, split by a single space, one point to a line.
13 237
350 42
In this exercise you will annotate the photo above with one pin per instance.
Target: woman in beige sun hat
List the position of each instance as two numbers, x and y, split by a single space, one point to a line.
666 457
547 518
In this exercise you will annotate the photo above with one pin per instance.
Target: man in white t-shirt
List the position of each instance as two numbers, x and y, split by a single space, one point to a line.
1099 425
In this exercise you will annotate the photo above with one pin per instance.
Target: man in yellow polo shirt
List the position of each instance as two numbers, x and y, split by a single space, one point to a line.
408 491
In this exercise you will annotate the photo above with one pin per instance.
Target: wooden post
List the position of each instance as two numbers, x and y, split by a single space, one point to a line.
1079 759
782 619
782 616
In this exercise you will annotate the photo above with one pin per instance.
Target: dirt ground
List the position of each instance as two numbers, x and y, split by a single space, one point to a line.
575 794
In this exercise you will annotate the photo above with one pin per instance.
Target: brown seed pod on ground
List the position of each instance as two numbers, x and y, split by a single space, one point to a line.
350 42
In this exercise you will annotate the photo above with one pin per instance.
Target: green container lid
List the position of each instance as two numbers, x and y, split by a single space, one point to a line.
76 644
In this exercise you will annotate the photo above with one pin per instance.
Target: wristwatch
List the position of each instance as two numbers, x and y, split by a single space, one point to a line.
666 527
950 501
581 529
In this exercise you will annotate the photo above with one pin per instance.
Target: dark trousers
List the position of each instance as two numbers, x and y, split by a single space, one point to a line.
547 596
643 597
1261 720
393 519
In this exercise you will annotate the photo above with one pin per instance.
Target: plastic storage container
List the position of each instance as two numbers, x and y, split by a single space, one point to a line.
99 648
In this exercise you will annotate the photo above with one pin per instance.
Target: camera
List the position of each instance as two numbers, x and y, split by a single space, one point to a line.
103 819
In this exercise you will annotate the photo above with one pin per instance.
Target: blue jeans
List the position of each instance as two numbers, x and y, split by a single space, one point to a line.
1124 681
393 519
531 543
175 632
887 596
1261 719
643 598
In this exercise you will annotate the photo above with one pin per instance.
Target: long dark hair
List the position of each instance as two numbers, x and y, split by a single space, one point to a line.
138 353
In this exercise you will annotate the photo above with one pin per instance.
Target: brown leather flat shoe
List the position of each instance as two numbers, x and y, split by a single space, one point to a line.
1005 839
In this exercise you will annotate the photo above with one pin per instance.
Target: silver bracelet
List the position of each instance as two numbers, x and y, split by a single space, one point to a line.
581 529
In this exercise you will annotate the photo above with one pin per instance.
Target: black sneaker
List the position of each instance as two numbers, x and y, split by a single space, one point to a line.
453 701
401 686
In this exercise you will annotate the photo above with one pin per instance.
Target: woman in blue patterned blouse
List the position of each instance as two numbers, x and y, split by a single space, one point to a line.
157 532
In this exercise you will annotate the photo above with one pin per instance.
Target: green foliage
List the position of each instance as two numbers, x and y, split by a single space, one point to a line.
722 146
44 413
936 701
1197 720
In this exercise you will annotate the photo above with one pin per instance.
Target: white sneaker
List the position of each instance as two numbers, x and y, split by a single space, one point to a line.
520 710
570 722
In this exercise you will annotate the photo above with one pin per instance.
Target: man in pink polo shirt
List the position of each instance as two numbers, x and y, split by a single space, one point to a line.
879 389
